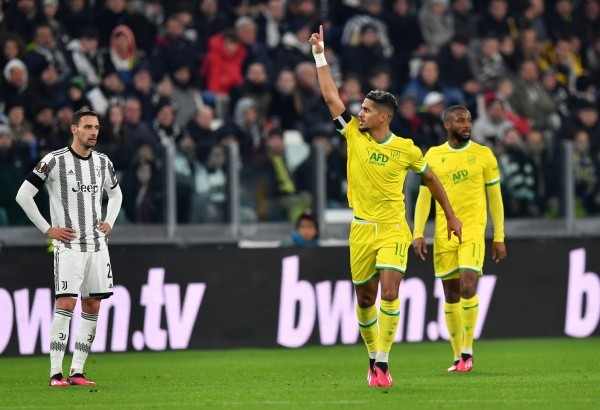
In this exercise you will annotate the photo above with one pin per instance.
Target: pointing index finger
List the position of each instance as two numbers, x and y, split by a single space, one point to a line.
320 32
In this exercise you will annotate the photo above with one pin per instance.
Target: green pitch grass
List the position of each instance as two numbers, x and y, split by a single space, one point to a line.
508 374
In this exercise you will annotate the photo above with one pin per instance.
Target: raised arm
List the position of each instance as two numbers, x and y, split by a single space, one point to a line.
328 87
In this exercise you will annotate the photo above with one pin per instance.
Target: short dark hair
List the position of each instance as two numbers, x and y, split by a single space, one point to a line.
308 216
77 115
383 99
452 109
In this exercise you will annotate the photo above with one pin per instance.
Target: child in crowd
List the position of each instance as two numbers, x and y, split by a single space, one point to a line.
306 232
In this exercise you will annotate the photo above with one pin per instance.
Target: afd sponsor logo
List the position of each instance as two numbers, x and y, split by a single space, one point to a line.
378 159
168 321
331 306
460 176
456 176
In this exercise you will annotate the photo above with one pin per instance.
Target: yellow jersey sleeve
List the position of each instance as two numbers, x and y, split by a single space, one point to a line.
422 208
418 163
491 173
494 195
496 211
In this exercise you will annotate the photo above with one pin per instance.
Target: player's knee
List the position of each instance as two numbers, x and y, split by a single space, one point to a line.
468 284
365 301
468 292
66 303
389 294
90 305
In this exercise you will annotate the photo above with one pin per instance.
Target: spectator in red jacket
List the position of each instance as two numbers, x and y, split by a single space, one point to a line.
221 68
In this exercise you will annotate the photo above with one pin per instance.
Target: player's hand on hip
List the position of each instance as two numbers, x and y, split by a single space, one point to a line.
316 41
498 252
65 235
454 227
104 227
420 247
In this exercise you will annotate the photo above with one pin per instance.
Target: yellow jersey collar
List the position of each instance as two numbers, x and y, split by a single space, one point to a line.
464 147
386 140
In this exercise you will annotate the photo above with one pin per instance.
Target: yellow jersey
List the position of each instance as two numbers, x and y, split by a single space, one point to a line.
465 173
376 172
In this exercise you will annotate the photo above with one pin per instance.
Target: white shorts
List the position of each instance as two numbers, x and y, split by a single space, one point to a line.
86 273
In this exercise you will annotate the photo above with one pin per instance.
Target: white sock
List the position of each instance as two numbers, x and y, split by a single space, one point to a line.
59 337
83 342
382 357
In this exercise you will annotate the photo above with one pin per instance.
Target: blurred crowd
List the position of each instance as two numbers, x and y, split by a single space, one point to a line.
205 73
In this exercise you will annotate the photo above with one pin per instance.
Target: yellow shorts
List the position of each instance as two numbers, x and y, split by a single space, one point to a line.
449 257
377 246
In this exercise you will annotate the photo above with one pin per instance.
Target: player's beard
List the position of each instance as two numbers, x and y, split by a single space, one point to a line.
364 127
459 137
85 143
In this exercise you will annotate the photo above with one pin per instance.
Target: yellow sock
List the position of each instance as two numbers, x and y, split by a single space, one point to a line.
389 312
454 325
468 315
367 323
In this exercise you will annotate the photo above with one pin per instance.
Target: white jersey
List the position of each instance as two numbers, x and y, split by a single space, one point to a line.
75 186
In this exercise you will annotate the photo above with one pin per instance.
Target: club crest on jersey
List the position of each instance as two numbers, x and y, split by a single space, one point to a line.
471 159
93 188
395 154
41 167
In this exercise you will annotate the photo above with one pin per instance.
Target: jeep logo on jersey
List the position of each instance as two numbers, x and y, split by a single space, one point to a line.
378 159
41 167
86 188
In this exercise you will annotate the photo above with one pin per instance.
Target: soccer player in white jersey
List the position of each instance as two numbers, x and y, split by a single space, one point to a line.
378 162
76 177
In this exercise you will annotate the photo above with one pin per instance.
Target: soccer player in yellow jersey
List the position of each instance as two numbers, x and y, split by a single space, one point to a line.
468 172
378 162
